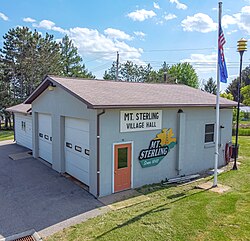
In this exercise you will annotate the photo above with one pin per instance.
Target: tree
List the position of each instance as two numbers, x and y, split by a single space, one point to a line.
158 76
246 76
233 87
111 73
227 96
183 73
129 72
26 57
245 91
71 62
133 73
210 86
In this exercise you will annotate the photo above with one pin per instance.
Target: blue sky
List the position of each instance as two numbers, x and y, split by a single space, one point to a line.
142 31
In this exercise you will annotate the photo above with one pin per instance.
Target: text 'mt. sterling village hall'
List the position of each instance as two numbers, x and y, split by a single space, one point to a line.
114 135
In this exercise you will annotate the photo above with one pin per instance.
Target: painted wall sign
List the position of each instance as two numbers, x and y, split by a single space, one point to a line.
158 148
140 120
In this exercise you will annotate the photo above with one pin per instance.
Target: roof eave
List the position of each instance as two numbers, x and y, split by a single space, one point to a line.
38 91
158 106
44 85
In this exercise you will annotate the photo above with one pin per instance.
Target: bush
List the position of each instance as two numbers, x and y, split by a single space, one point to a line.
242 132
235 114
246 116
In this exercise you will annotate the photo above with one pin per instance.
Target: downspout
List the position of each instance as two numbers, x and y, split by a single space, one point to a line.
14 126
181 123
98 152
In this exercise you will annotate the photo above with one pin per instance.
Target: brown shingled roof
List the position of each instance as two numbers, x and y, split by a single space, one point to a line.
21 108
117 94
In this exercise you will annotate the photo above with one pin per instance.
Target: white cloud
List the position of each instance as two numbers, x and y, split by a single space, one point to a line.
29 20
243 19
231 32
199 22
201 58
49 25
228 20
170 16
140 34
203 63
141 15
156 5
91 41
178 4
4 17
117 34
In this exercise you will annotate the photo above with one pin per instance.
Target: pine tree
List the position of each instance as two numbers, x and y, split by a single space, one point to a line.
26 57
210 86
71 62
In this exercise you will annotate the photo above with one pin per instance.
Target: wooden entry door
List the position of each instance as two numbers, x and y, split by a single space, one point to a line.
122 170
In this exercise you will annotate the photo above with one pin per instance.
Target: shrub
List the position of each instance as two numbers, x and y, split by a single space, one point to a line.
242 132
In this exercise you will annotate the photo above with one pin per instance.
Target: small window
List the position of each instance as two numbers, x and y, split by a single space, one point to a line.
23 125
41 135
209 133
86 152
78 148
46 137
122 157
69 145
50 138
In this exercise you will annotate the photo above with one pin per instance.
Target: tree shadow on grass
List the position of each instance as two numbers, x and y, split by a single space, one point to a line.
159 208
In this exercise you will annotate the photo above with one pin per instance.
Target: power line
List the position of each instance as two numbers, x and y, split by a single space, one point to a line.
101 67
94 59
155 50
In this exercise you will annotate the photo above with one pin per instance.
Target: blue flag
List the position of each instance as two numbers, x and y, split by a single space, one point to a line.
221 58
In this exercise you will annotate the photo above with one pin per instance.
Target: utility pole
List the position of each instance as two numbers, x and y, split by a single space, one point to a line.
165 77
117 66
242 47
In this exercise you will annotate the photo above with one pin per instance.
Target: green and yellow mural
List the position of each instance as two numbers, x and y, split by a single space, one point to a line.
158 148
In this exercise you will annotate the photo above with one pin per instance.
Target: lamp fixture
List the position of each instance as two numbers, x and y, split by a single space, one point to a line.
51 86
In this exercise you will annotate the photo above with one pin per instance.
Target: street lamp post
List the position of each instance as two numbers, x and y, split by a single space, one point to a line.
242 47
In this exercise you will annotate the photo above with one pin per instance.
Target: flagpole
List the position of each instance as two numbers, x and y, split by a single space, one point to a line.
217 124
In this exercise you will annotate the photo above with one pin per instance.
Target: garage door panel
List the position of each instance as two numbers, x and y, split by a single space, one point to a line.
45 137
76 142
45 150
78 174
77 161
78 124
75 137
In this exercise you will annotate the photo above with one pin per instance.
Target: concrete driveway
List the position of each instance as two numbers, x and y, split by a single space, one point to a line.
33 196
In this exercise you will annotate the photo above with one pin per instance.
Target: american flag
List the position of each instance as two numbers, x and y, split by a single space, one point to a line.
221 58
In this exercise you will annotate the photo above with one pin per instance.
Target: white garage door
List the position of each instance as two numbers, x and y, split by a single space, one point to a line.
23 130
45 137
77 148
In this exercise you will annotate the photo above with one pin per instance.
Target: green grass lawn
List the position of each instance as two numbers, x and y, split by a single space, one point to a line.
178 213
245 122
6 135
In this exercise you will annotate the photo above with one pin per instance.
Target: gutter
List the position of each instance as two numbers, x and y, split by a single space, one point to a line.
98 152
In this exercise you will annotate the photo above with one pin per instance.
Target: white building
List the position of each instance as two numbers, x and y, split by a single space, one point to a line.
22 124
114 136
